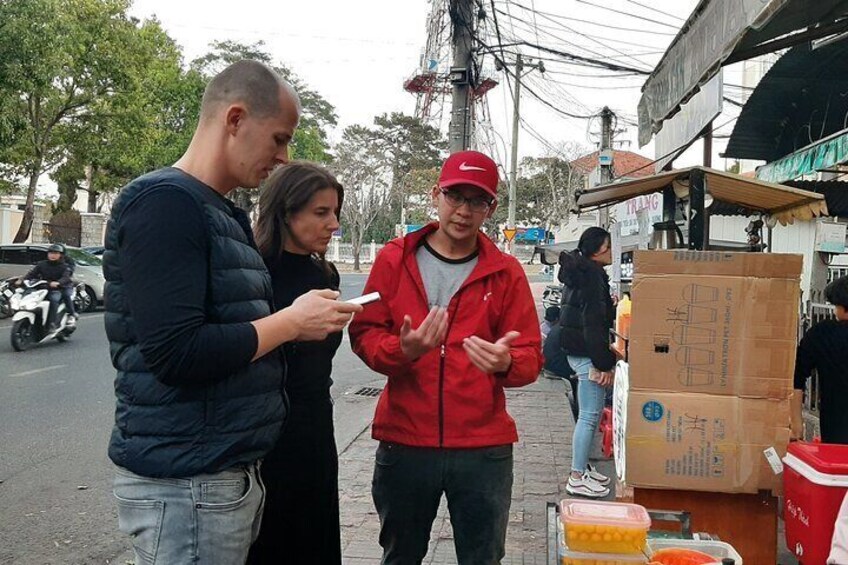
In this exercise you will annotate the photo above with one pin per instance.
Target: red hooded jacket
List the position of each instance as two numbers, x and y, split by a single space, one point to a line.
441 399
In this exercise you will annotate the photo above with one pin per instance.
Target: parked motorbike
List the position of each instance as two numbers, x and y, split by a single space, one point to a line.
82 299
30 307
6 293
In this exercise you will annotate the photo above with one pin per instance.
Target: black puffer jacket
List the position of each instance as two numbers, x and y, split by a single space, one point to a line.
173 430
587 310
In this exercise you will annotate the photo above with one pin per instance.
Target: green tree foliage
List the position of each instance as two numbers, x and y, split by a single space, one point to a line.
78 82
141 128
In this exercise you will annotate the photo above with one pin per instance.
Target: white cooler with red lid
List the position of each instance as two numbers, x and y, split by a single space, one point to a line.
815 480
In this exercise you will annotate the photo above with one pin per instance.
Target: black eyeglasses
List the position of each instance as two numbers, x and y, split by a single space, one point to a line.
476 204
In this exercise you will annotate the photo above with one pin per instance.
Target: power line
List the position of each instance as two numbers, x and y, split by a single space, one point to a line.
595 63
565 41
560 27
583 75
535 22
655 10
553 19
572 30
740 86
590 51
672 152
584 86
555 108
627 14
590 22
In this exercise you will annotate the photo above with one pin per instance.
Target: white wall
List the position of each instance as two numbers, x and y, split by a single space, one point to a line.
10 221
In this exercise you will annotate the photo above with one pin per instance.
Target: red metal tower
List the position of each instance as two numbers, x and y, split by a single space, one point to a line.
430 83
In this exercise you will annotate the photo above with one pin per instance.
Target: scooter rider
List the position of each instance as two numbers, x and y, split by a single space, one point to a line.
58 273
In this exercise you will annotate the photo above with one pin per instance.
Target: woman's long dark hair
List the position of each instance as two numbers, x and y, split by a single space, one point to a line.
591 241
286 192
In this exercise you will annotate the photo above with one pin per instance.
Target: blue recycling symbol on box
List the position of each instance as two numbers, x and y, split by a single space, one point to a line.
652 411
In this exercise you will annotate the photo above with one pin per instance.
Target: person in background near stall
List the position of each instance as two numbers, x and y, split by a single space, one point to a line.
298 213
556 363
456 325
587 316
551 318
824 348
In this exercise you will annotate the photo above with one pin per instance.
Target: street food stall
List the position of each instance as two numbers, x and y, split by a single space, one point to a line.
703 403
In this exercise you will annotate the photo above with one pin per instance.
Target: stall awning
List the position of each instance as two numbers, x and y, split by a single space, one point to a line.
799 101
722 31
782 202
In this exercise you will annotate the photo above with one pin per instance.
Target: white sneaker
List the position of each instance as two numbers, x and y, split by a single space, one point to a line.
599 478
586 486
72 321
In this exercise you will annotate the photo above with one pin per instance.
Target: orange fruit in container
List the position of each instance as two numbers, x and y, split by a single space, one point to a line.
604 527
674 556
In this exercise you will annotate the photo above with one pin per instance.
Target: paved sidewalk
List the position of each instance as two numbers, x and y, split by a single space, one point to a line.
542 461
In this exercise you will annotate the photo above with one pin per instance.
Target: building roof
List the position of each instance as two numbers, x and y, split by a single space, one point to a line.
797 103
625 163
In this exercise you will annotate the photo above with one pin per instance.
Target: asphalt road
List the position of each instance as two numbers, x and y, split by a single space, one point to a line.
56 414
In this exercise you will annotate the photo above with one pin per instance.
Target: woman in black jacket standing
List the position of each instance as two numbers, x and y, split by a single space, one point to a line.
587 316
298 212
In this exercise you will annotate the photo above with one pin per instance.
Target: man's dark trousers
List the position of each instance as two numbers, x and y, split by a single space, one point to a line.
408 486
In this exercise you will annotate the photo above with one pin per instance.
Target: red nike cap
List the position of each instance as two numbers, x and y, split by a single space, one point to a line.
470 168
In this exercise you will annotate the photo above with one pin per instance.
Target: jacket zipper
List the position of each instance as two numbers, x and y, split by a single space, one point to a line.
443 354
441 397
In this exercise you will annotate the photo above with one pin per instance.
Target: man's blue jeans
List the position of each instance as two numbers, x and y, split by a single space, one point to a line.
407 489
207 519
591 397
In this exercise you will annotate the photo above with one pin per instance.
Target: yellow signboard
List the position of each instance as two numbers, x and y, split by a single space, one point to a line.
509 234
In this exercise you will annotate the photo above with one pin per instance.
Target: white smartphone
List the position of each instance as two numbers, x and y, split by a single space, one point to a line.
365 299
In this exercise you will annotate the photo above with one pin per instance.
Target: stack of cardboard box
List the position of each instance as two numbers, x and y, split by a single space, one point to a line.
710 373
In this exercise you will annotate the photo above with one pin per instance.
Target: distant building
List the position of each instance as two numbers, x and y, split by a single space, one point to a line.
625 164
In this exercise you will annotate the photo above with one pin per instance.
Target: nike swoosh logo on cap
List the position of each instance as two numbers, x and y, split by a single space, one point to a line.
464 167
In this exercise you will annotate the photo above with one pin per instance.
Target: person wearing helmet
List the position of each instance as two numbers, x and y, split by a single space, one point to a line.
57 272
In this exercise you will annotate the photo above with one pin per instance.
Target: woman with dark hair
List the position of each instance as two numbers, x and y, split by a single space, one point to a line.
587 316
298 212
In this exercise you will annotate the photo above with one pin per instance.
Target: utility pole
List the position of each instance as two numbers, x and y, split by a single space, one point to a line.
513 166
605 159
520 67
462 20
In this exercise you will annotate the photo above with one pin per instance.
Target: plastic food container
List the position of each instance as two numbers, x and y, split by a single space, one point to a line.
569 557
604 527
717 549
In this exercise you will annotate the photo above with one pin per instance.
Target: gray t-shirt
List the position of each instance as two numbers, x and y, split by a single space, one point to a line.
442 276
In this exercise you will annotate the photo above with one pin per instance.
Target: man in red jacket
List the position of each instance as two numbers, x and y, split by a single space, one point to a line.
455 326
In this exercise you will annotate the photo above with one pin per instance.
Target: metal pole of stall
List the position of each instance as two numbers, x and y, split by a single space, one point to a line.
697 217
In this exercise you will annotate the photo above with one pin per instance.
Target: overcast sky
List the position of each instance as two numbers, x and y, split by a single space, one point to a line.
358 54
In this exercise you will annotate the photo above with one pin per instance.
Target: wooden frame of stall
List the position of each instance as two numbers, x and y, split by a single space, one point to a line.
782 204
